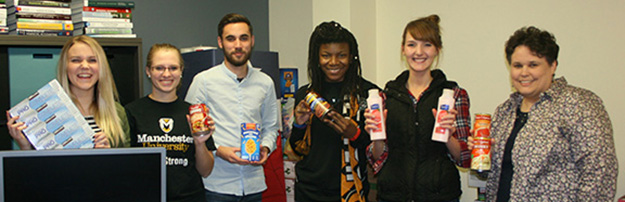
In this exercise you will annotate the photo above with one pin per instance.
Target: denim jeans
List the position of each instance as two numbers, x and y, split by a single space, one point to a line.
217 197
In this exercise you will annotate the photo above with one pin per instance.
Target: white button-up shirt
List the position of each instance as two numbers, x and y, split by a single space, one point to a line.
230 103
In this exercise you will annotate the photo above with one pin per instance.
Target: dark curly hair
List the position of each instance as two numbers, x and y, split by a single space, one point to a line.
333 32
540 42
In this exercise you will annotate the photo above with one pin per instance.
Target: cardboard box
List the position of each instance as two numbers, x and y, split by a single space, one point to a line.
290 190
288 82
289 170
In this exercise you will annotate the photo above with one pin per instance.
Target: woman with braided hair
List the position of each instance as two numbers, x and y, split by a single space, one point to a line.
333 167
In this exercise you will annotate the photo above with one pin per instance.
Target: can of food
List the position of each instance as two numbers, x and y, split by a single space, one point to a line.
318 105
250 141
480 155
481 127
199 124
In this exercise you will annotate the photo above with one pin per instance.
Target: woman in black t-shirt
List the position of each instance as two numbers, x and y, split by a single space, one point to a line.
160 120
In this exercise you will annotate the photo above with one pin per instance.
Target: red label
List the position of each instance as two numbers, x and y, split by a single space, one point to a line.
102 9
441 114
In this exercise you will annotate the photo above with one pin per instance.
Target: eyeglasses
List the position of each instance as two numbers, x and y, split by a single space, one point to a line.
161 69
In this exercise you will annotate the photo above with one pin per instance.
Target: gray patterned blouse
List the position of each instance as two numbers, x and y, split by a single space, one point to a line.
565 151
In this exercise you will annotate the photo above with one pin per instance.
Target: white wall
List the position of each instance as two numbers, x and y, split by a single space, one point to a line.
292 22
290 25
590 35
363 27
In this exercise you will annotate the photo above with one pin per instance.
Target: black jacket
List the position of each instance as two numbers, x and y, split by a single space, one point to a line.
417 168
319 172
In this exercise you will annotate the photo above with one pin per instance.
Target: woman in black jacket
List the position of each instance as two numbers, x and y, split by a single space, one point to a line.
333 167
408 164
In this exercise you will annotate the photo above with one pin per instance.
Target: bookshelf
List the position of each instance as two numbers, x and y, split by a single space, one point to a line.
124 56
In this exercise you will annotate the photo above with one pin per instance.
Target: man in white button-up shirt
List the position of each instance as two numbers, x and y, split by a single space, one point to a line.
236 93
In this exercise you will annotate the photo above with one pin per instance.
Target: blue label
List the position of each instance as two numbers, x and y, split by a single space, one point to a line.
444 107
375 107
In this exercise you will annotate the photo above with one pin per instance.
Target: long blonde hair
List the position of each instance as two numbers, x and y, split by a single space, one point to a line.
105 93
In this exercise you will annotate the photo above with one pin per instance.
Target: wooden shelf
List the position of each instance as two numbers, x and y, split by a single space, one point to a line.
13 40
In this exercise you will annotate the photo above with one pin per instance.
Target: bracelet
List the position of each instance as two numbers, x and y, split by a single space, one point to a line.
355 136
302 126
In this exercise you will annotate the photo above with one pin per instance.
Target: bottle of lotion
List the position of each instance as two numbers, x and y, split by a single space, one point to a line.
445 103
376 108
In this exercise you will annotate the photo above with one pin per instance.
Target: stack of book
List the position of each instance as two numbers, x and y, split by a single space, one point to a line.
3 18
103 18
39 17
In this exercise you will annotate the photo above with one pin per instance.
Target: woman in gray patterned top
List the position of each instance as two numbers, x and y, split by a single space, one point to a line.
551 141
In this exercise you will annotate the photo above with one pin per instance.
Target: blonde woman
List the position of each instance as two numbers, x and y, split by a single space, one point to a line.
84 74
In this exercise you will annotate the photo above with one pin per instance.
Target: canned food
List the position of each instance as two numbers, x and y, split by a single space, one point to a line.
480 155
199 123
318 105
481 127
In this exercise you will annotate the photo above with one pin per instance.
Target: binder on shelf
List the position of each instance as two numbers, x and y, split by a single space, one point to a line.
41 25
38 9
40 32
110 4
42 16
43 3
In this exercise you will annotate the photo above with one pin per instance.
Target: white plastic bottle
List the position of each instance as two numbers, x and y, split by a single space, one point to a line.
374 102
445 103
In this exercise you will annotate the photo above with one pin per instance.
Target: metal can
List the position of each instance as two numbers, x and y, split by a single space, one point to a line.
199 125
480 155
318 105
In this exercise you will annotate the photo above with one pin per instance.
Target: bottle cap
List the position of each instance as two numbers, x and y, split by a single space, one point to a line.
448 92
374 91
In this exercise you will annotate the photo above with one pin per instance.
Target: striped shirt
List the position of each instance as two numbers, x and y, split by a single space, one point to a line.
91 121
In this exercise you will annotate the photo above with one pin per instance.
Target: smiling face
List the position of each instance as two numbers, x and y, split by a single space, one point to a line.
334 60
83 69
165 72
530 74
236 42
419 54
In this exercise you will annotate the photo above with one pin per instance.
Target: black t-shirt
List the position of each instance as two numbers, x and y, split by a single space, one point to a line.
156 124
503 193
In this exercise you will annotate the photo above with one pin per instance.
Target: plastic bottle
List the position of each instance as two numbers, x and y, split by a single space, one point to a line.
445 103
376 108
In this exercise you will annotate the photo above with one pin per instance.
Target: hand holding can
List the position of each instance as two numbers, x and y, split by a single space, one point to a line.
319 106
480 155
199 124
